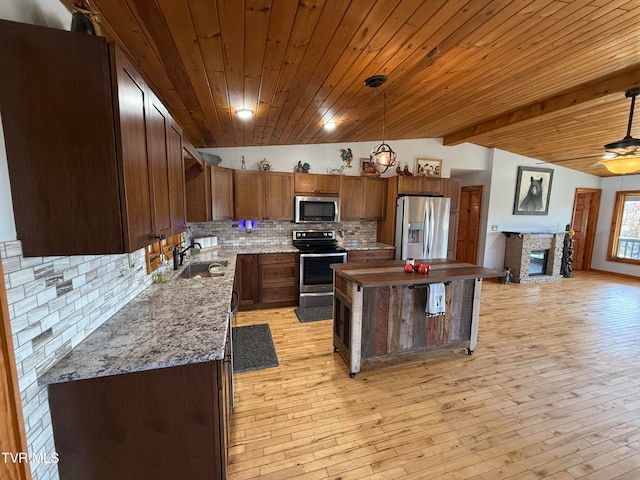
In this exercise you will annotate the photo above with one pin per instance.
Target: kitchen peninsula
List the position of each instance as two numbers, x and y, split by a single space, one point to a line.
379 310
149 393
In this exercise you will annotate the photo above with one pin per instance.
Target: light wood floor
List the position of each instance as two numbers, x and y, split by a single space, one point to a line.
552 391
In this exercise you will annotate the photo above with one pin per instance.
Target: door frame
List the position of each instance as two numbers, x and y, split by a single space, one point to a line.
592 222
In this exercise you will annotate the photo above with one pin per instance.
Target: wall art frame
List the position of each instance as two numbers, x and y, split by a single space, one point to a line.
533 191
428 167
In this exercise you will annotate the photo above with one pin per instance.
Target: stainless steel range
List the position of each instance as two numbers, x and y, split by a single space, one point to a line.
318 250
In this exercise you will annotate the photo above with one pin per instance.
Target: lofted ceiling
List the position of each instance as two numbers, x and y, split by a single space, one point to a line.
540 78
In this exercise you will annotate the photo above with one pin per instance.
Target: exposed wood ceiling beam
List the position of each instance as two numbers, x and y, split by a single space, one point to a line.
601 87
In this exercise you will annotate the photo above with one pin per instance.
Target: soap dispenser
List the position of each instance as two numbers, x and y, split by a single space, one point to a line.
163 272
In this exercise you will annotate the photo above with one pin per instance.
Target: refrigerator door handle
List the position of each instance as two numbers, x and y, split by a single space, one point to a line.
425 231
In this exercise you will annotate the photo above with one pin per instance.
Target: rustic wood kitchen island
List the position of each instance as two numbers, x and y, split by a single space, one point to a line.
379 309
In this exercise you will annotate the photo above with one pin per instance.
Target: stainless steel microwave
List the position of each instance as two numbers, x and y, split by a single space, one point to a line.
316 209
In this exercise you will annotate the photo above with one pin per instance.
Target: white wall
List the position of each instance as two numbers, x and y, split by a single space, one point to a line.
7 222
610 186
284 158
482 178
501 198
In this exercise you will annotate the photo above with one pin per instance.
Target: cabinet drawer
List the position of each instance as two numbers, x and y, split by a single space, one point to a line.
370 255
278 258
279 293
278 274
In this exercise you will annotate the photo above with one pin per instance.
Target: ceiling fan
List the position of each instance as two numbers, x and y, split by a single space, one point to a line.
623 156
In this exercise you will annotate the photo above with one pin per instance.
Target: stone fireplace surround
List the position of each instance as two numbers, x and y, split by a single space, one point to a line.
518 253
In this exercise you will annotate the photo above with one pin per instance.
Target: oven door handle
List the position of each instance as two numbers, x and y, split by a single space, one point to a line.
333 254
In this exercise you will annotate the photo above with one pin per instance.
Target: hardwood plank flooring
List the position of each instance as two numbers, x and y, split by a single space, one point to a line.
552 391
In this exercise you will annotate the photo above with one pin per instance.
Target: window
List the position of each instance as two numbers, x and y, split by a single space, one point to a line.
624 242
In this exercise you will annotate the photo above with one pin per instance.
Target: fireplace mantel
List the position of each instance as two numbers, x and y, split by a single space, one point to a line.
520 233
520 244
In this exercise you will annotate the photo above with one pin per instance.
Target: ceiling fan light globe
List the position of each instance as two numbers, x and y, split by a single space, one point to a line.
622 165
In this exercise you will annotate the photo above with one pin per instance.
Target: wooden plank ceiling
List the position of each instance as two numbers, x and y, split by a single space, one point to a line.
541 78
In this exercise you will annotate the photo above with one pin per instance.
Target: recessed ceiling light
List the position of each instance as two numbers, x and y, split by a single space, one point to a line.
244 113
330 126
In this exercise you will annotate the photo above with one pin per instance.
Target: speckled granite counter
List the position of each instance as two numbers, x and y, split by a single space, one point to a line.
366 246
169 324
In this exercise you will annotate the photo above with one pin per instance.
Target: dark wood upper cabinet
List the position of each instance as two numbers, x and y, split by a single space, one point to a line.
221 193
197 185
420 185
316 184
209 191
362 198
262 195
91 156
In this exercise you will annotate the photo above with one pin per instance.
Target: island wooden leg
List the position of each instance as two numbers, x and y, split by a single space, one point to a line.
475 315
356 329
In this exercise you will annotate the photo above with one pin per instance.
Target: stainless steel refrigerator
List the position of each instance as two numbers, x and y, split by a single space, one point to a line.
422 227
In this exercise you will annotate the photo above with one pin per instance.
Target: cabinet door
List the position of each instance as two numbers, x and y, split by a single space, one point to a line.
316 184
132 130
432 186
221 193
304 183
374 198
327 184
158 158
197 180
452 190
224 382
248 188
278 196
247 280
351 196
176 179
410 185
452 244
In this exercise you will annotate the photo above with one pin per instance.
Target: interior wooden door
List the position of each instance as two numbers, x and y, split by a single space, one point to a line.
586 206
469 223
12 438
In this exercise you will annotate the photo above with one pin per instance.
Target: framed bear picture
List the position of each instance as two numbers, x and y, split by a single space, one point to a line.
533 190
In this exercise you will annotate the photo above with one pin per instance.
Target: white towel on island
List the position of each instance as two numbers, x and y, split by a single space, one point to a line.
435 299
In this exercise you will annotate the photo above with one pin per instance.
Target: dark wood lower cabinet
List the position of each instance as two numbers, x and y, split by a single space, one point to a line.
267 280
163 424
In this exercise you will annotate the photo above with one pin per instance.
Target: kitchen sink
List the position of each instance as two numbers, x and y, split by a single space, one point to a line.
204 269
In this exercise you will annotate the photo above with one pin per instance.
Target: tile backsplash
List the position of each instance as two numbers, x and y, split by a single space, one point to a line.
54 304
280 232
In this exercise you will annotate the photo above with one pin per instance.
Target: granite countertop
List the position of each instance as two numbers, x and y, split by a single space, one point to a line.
168 324
358 245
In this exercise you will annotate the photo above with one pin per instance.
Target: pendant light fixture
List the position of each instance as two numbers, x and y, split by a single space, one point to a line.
382 156
623 156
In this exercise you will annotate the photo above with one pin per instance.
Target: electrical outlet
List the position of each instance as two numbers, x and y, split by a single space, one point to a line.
494 228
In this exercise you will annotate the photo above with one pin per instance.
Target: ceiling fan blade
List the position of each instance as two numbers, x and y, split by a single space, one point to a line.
565 160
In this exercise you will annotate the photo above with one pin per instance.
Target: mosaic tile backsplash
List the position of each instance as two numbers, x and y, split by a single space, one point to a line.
54 304
269 231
